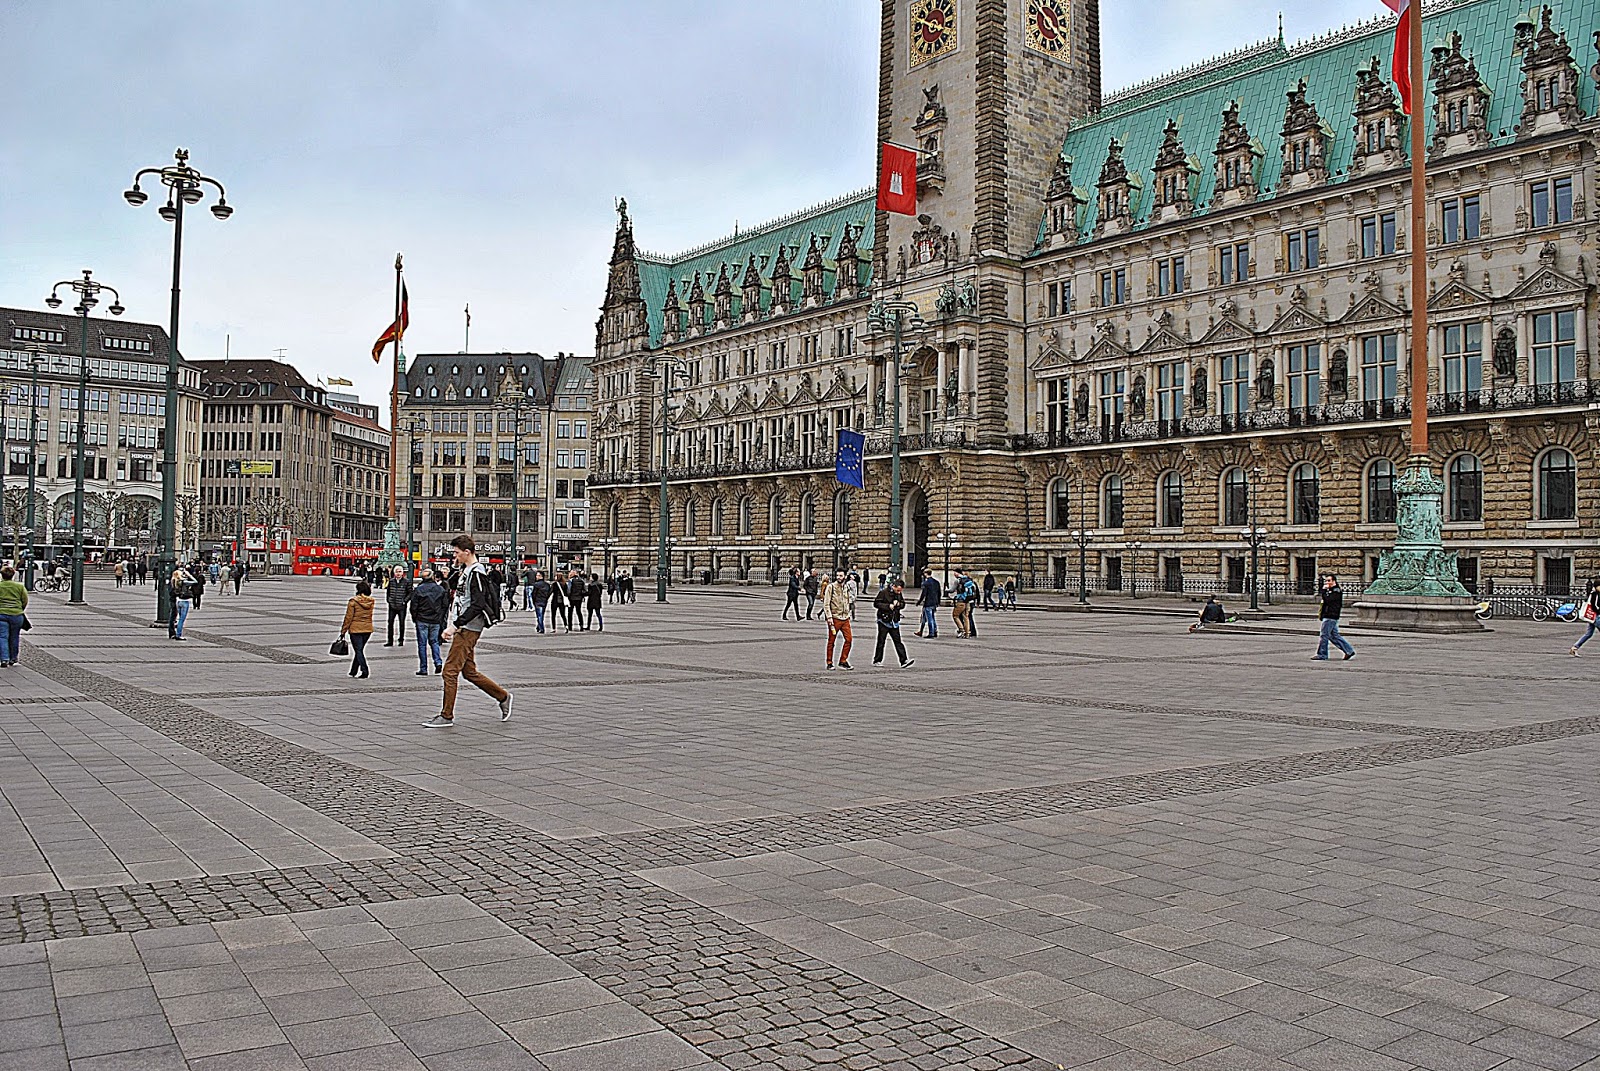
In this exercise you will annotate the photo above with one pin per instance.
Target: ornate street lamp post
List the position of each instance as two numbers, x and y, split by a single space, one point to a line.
417 428
1133 567
185 186
516 405
88 291
668 368
33 461
899 318
1254 536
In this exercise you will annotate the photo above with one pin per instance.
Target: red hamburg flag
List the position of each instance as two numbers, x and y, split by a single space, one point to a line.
1400 62
897 180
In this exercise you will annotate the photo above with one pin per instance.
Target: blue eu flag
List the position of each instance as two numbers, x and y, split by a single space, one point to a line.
848 467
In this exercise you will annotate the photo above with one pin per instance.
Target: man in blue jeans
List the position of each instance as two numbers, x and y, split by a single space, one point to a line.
932 595
429 605
1332 607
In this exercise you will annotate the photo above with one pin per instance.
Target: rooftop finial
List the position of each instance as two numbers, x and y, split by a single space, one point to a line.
1280 29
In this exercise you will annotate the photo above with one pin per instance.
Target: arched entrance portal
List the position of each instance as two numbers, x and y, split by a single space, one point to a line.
915 527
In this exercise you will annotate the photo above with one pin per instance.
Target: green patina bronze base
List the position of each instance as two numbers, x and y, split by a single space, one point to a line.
391 555
1417 588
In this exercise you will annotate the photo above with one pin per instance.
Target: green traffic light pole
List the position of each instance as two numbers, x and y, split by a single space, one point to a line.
88 291
186 186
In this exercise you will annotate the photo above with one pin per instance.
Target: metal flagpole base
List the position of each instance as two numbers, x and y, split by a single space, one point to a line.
391 555
1417 588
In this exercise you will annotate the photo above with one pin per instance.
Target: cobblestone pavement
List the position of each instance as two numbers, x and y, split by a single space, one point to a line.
1086 842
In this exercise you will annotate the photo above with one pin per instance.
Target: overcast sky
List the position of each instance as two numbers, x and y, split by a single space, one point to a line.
486 139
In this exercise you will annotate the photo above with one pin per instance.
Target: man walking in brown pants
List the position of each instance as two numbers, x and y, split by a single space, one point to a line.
475 607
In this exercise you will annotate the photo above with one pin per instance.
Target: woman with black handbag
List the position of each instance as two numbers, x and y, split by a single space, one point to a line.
358 626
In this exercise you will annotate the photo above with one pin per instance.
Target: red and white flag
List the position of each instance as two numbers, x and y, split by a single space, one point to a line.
897 180
1400 61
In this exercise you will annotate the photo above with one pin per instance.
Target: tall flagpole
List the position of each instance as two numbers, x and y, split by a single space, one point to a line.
394 393
1418 588
1419 244
466 335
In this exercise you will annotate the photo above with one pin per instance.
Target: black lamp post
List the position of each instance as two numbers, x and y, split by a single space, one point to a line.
1133 567
88 291
516 405
33 462
898 317
668 368
185 186
1254 536
415 429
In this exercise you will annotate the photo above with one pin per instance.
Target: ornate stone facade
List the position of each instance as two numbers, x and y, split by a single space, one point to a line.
1160 363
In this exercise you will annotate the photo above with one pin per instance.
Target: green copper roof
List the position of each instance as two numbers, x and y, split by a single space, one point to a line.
1259 78
826 221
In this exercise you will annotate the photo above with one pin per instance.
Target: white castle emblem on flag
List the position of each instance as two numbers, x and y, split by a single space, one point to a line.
896 183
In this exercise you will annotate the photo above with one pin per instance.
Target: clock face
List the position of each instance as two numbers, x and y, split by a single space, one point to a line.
932 29
1048 26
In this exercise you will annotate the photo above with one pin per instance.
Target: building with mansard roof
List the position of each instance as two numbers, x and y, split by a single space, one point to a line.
1155 320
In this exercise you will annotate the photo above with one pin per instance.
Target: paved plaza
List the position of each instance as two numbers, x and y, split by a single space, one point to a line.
1080 841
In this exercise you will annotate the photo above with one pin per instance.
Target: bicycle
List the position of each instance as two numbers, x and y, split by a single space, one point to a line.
1545 609
51 583
1484 610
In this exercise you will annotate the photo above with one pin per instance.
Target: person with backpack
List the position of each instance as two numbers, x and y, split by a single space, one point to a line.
182 602
577 600
476 607
836 609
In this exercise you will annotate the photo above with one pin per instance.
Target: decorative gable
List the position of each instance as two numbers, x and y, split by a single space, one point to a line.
1061 203
750 292
1116 194
1236 160
811 272
782 283
1456 294
1173 170
1461 100
1370 305
1548 281
697 308
1549 79
1297 317
847 271
1378 123
671 315
1163 337
722 309
1105 343
1305 141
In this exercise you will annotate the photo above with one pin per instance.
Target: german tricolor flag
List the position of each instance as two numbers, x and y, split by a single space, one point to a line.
397 330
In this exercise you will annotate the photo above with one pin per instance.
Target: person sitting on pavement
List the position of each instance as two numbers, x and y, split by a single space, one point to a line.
1211 613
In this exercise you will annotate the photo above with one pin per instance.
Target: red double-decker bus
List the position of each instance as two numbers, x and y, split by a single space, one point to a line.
333 557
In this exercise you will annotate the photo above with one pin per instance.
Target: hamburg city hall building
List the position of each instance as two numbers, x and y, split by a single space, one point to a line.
1153 327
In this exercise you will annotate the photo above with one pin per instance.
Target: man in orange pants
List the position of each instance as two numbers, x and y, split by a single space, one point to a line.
836 611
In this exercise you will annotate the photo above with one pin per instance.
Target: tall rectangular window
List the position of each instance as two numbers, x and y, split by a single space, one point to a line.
1170 276
1550 201
1380 366
1463 358
1555 347
1058 405
1460 219
1113 386
1233 384
1303 249
1114 286
1169 391
1378 234
1304 371
1233 263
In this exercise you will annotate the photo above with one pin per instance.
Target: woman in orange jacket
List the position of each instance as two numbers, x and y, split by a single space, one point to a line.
358 625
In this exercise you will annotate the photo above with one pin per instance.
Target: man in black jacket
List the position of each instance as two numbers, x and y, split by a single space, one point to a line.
889 602
793 600
813 586
540 594
429 605
577 600
397 596
1332 607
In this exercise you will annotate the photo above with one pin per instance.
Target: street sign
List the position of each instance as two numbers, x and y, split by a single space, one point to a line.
258 468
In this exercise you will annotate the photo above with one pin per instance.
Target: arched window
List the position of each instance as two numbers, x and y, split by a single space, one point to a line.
1171 495
1305 495
775 514
1380 492
1060 499
716 516
808 514
1464 490
614 520
1558 486
1111 502
1235 498
746 515
689 519
841 512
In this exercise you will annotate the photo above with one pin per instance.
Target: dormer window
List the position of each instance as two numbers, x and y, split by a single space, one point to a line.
1236 160
455 369
1374 135
480 370
1232 174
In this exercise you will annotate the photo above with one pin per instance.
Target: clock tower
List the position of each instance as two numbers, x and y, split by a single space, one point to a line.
984 89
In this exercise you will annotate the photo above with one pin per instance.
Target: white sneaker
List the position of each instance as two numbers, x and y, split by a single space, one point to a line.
438 721
505 707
